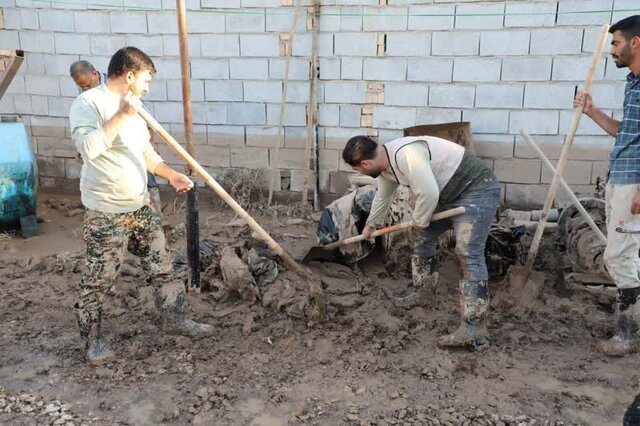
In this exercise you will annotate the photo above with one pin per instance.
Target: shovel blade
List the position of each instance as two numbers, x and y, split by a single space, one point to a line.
318 253
520 290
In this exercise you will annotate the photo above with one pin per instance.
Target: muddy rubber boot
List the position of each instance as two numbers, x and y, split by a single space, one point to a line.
97 351
472 333
627 339
425 280
171 301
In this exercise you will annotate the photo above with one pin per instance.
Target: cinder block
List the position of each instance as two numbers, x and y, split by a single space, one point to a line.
258 45
385 69
245 23
205 22
535 122
575 172
171 45
10 19
72 44
30 41
586 127
262 136
42 85
337 137
288 158
171 67
168 112
217 90
451 96
51 167
350 115
408 44
64 148
225 135
499 95
480 70
589 148
298 69
329 115
22 104
406 94
106 43
92 22
249 69
525 197
351 19
431 18
556 41
504 43
566 9
517 170
437 115
608 95
612 72
487 121
262 91
209 68
348 92
351 68
573 68
295 137
247 114
214 156
385 19
59 65
250 157
130 22
462 43
39 105
208 113
530 14
174 90
527 69
549 95
466 16
493 146
148 44
59 106
44 145
355 44
622 7
432 69
73 167
295 115
298 92
393 117
56 20
281 22
30 19
220 45
330 68
220 4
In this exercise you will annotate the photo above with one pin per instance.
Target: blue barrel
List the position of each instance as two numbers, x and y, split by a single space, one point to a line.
18 173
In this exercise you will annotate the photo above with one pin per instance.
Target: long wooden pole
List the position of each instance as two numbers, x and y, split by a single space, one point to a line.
311 111
283 102
193 225
566 187
314 283
564 155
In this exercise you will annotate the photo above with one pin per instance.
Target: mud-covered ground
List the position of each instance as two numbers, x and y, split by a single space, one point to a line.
368 363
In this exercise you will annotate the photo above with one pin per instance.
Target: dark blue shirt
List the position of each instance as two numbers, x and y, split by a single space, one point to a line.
625 158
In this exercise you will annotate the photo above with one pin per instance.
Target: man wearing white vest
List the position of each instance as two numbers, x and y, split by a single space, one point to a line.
442 175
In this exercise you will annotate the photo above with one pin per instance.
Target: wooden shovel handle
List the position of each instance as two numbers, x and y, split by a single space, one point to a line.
394 228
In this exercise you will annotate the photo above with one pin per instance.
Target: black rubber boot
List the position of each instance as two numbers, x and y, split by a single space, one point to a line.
472 333
97 351
425 280
626 340
171 301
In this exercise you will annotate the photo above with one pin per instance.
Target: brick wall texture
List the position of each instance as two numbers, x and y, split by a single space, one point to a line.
383 65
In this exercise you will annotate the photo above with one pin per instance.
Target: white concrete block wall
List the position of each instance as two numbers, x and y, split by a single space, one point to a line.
382 68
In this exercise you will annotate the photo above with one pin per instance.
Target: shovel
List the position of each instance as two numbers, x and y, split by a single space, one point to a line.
323 252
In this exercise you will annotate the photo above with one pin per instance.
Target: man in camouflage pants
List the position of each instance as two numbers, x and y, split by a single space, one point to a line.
114 143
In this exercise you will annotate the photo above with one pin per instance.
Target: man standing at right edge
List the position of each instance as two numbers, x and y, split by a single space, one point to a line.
623 189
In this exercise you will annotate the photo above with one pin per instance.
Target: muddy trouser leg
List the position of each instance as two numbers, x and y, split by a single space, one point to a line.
105 236
471 230
424 266
623 264
170 292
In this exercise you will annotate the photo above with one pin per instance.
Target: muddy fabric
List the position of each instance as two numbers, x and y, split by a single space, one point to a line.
106 236
471 231
621 253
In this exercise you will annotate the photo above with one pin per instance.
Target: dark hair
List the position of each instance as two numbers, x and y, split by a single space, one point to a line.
129 59
79 68
359 148
629 27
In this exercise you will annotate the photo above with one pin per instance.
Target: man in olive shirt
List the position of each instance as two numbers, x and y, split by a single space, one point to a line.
114 143
442 175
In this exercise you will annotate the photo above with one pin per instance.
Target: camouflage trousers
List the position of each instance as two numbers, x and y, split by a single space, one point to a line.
107 236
